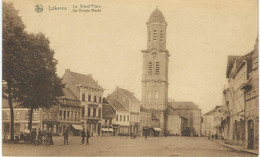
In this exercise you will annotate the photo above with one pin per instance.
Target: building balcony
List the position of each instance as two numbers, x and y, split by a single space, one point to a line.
91 117
69 119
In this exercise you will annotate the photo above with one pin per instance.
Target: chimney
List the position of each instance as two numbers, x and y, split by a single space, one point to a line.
117 87
90 75
67 71
133 93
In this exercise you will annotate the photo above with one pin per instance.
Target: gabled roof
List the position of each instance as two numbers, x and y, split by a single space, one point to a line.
183 105
68 94
239 60
116 104
212 111
74 80
129 95
85 80
230 62
107 110
248 59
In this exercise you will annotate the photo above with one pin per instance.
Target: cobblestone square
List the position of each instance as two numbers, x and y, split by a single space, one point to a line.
116 146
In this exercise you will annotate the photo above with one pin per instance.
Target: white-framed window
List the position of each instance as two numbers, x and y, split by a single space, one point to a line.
6 115
34 116
17 115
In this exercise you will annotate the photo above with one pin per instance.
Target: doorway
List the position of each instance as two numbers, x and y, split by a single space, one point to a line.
250 134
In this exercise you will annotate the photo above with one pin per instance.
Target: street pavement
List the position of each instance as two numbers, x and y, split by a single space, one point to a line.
116 146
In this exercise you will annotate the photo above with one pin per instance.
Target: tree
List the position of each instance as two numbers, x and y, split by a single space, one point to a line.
29 67
41 85
13 33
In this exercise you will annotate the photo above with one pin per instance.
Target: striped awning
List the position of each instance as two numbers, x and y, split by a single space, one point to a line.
157 129
77 127
107 129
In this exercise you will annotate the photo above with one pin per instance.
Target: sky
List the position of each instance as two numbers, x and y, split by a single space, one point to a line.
107 44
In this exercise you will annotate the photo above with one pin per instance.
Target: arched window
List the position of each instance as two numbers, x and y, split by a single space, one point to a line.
150 68
154 35
157 68
161 36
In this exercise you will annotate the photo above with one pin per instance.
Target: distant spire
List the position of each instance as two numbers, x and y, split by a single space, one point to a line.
157 6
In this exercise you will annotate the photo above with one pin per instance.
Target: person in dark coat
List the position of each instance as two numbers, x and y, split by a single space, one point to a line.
33 135
50 137
66 137
88 136
83 135
39 137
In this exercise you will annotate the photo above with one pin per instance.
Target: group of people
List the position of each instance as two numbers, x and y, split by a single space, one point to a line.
85 135
36 136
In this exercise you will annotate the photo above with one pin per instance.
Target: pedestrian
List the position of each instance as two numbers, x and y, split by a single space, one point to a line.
83 135
88 136
66 136
50 137
39 137
146 134
33 135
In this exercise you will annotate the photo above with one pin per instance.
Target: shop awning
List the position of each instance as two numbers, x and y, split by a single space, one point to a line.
104 129
157 129
107 129
77 127
110 129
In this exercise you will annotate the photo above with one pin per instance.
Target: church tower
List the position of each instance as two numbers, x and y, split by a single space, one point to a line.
155 67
